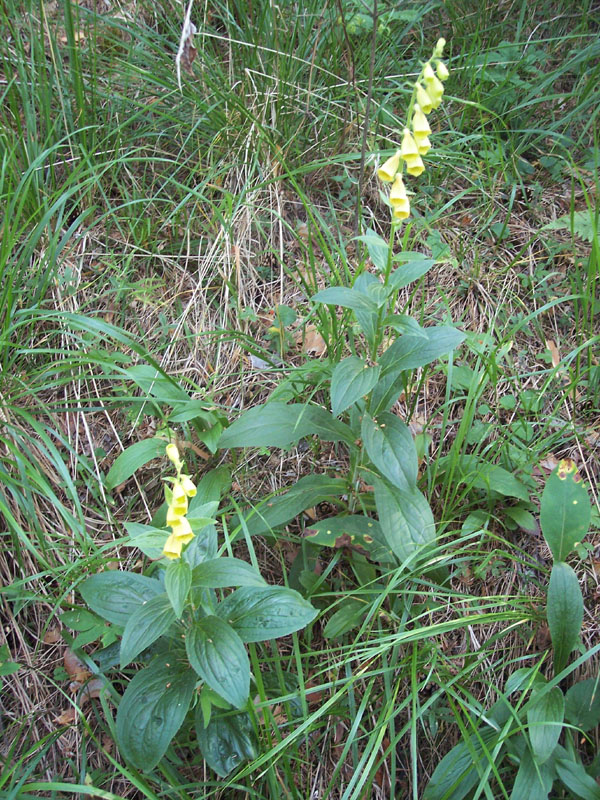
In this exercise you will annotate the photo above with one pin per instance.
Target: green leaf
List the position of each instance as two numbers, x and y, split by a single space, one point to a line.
117 595
366 319
152 710
148 539
351 530
377 247
276 511
221 572
533 781
147 623
565 511
352 379
178 579
406 520
280 425
576 779
80 620
545 716
258 614
582 704
347 298
493 478
349 616
390 446
404 324
157 384
410 272
226 741
457 773
523 518
410 352
580 222
564 612
132 458
218 655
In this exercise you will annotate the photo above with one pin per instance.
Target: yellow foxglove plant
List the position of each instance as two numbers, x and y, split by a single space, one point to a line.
427 95
183 488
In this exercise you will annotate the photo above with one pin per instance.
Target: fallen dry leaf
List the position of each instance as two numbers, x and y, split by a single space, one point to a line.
67 717
92 689
52 636
312 342
553 352
76 669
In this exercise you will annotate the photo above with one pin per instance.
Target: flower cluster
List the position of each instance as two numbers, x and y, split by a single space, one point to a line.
427 95
177 501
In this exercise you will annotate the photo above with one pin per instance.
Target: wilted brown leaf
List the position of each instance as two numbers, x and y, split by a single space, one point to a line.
67 717
52 636
76 669
553 352
312 342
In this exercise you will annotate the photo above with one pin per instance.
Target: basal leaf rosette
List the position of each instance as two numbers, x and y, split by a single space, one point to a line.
427 95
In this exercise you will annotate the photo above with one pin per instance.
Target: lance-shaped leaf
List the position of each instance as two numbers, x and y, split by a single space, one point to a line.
218 655
405 518
226 741
352 379
117 595
545 715
152 710
564 611
258 614
390 446
565 511
145 625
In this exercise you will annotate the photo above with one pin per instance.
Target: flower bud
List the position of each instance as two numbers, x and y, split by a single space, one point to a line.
439 48
423 99
442 71
173 456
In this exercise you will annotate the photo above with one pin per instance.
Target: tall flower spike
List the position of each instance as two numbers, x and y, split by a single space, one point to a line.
387 171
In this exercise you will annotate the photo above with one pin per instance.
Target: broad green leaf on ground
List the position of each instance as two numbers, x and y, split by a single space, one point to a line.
578 782
276 511
458 772
582 704
352 379
565 612
565 511
280 425
147 623
545 716
390 446
132 458
117 595
580 222
347 298
405 518
226 741
178 579
221 572
349 616
258 614
152 710
479 474
351 530
218 655
533 781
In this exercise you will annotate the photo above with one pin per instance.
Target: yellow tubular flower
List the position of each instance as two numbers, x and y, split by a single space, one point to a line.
409 147
188 485
174 515
182 530
442 71
423 143
414 165
428 72
172 548
420 125
399 199
423 99
435 90
388 170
